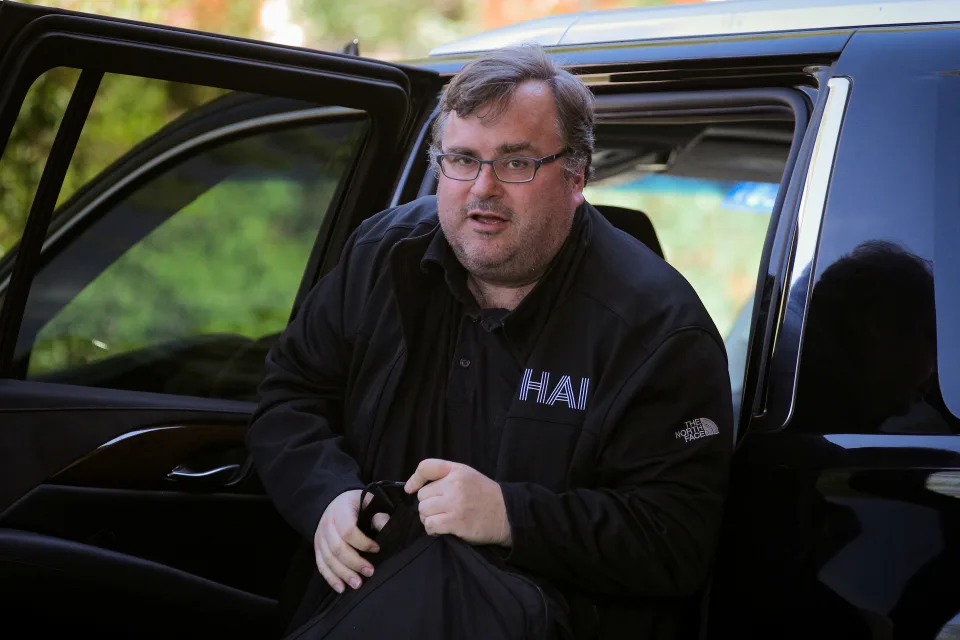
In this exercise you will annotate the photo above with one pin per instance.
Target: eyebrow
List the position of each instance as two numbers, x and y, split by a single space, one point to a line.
502 150
513 148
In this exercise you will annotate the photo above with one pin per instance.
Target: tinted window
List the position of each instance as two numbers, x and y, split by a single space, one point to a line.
126 111
948 307
181 286
947 242
885 282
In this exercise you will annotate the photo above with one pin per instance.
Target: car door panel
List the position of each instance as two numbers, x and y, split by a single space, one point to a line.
135 513
87 590
843 518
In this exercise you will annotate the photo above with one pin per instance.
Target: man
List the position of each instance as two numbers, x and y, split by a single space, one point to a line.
542 381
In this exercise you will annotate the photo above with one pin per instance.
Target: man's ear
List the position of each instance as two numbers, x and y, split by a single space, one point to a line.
576 187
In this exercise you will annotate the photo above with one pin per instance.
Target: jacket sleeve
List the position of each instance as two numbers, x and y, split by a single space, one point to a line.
296 434
648 525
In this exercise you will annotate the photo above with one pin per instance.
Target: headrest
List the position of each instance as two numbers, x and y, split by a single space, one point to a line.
634 222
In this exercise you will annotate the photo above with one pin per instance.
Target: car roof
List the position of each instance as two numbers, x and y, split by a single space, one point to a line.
708 19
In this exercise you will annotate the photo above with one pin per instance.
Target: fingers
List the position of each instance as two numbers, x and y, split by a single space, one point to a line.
438 525
367 500
342 573
327 574
379 521
431 507
433 514
432 490
427 471
357 540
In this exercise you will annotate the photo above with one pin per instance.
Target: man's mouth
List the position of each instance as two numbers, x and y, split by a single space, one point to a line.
486 217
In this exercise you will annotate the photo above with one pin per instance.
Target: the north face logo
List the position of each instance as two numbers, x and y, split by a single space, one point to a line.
696 429
562 391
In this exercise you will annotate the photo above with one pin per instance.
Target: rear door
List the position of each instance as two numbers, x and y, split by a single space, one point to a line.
843 517
167 199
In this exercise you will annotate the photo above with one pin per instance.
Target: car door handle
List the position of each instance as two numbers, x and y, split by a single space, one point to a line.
221 475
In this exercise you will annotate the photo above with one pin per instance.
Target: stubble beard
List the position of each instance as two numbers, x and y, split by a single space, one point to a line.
515 265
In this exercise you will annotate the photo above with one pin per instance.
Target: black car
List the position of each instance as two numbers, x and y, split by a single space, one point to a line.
796 160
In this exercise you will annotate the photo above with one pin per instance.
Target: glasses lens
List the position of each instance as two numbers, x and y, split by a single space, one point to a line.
459 167
515 169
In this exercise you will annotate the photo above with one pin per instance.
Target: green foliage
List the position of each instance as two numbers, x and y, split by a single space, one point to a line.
385 28
23 159
126 111
228 261
717 250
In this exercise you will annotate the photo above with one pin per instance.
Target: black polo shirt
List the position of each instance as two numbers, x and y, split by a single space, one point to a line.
465 363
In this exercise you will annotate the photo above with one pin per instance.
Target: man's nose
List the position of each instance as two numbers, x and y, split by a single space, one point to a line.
486 183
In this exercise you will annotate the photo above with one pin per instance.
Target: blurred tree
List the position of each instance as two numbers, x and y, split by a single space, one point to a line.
21 163
500 13
386 28
123 113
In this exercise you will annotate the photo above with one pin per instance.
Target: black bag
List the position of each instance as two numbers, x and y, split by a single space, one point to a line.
428 587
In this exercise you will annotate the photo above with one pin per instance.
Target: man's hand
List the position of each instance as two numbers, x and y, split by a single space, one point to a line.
337 540
460 501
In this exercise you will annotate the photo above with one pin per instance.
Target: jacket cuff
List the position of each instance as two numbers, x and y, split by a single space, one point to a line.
527 550
309 517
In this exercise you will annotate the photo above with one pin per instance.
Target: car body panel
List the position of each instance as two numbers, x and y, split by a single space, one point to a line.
830 532
858 523
719 19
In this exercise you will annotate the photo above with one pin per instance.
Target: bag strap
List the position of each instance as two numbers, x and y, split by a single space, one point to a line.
387 496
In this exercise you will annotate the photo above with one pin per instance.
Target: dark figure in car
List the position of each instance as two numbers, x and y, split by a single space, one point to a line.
545 385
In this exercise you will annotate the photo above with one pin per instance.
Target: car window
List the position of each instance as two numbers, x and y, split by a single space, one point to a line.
126 111
948 316
712 231
879 346
25 155
709 193
181 285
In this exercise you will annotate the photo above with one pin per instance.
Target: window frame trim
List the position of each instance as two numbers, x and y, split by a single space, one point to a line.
41 212
803 243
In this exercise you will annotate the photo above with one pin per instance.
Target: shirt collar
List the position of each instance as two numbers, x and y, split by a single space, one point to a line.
523 324
440 260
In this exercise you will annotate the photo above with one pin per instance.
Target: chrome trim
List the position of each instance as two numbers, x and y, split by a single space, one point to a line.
931 442
707 19
213 134
813 201
183 473
946 483
134 434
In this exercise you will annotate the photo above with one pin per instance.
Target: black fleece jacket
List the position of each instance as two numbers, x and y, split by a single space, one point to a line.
615 448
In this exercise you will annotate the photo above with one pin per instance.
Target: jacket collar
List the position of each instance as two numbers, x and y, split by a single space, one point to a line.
423 264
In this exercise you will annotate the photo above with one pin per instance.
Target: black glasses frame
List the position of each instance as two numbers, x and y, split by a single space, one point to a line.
537 163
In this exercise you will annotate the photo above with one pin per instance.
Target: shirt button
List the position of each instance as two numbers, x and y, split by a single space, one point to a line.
464 362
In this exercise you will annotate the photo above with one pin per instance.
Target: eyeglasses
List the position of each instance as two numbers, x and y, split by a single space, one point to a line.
508 169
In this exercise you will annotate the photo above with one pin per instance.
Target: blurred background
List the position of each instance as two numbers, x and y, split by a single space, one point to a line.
386 29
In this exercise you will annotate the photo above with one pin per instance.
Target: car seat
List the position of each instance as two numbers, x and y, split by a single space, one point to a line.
634 222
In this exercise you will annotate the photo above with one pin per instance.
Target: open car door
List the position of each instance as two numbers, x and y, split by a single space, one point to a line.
137 307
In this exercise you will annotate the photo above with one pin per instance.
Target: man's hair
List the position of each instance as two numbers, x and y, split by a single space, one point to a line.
489 83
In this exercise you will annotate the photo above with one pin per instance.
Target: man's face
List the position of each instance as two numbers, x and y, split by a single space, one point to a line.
502 233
